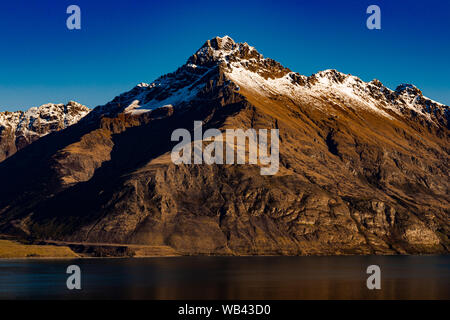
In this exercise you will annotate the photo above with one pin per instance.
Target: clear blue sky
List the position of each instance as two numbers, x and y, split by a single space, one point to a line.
122 43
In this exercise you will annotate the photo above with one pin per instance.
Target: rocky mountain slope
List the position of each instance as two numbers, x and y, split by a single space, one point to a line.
363 169
18 129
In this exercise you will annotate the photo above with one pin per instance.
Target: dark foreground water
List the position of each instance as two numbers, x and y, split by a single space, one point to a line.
402 277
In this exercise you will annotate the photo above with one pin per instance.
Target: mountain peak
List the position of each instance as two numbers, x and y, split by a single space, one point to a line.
331 75
220 43
223 49
248 71
408 89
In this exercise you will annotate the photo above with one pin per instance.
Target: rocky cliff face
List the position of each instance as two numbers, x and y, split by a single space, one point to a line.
19 129
363 169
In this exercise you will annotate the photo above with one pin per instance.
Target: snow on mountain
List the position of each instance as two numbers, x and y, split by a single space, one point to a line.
44 119
174 89
247 68
19 128
243 67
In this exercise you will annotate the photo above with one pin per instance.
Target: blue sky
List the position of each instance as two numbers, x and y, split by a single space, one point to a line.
122 43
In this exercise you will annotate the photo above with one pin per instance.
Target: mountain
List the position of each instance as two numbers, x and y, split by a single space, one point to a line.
19 129
363 169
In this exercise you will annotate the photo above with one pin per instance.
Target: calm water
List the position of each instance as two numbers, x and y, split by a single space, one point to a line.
403 277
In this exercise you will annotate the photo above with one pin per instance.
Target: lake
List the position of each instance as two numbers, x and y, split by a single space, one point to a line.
328 277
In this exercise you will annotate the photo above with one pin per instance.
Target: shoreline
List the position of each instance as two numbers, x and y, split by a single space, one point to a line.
221 256
13 249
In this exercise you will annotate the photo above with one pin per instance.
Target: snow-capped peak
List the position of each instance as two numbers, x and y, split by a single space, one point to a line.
186 82
247 69
221 43
223 49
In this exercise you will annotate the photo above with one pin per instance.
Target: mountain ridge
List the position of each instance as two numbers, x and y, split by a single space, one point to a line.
234 57
20 128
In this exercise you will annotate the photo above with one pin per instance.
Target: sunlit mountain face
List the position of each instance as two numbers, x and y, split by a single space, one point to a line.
363 169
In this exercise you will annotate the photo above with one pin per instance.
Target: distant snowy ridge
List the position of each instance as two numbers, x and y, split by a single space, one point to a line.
20 128
42 120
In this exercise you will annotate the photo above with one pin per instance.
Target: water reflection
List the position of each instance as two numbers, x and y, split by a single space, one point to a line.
403 277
